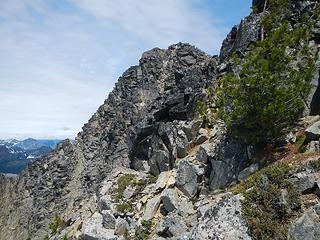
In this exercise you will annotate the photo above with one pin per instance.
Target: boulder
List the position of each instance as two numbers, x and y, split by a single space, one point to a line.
206 151
169 199
307 227
173 227
93 229
108 220
159 162
192 128
313 132
151 208
121 227
183 145
304 182
201 137
162 181
185 207
231 159
187 178
313 147
248 171
128 192
104 202
241 36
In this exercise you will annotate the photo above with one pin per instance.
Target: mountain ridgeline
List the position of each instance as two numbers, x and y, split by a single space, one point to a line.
157 162
15 155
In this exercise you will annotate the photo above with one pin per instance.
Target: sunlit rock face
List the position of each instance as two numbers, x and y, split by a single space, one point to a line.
101 185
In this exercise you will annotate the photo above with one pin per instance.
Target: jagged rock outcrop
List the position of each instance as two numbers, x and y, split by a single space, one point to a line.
146 122
102 185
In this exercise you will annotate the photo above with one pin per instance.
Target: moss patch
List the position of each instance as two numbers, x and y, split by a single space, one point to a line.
299 145
123 182
56 224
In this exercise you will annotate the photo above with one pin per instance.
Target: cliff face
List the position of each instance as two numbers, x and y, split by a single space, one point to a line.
100 185
163 88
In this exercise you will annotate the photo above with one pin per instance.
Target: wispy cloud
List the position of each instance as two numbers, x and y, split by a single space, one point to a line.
59 59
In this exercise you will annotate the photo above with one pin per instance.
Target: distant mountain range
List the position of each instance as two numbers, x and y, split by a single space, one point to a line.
15 154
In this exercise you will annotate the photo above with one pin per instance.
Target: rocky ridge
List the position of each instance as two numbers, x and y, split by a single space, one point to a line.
146 167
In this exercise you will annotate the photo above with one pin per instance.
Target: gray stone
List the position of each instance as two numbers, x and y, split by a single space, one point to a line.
187 178
185 207
223 221
104 203
162 181
189 60
312 102
313 147
94 230
291 138
231 160
121 227
307 227
248 171
313 132
173 227
183 145
206 151
192 128
151 208
304 182
201 211
241 36
159 162
128 192
169 199
202 136
108 220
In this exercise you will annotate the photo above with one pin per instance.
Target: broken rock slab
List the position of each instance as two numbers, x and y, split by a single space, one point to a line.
151 208
187 178
307 227
169 199
93 229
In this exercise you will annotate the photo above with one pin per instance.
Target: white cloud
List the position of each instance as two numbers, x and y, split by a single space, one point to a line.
58 66
160 22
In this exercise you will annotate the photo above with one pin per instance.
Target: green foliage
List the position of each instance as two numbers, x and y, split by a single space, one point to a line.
203 111
123 182
276 173
300 143
125 207
143 232
266 213
278 10
315 164
254 9
65 237
46 237
266 94
130 180
56 224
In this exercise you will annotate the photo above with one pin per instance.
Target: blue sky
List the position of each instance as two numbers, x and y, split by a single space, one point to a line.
61 58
